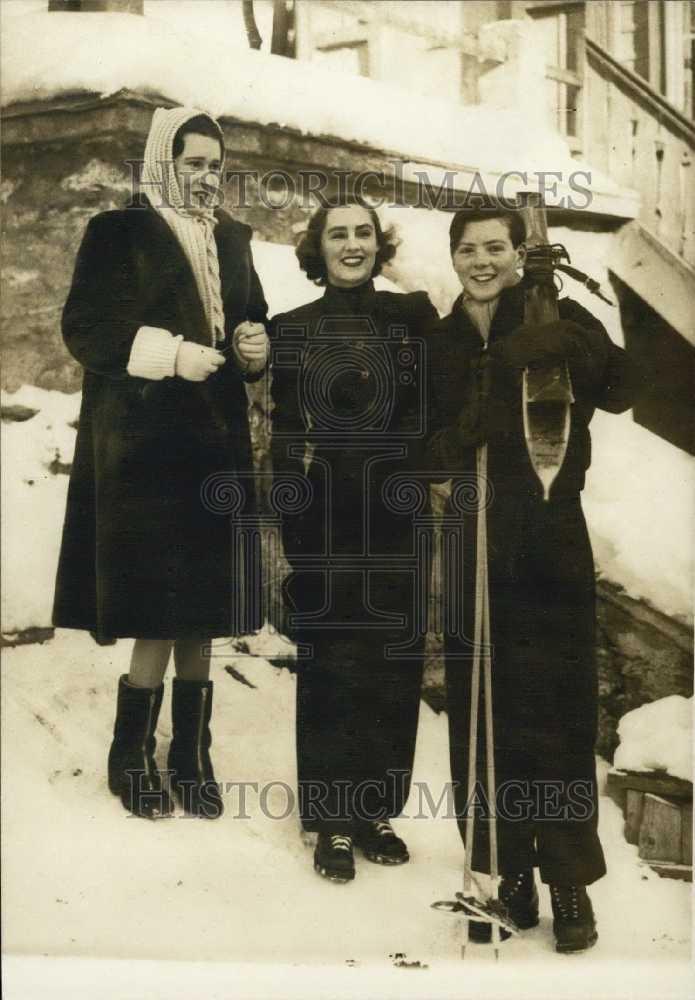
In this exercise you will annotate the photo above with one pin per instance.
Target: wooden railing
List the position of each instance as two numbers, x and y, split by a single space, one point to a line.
634 135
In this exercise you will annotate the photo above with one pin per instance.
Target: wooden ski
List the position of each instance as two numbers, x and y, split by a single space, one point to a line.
546 390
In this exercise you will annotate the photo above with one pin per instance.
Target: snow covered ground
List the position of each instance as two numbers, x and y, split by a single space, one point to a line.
242 890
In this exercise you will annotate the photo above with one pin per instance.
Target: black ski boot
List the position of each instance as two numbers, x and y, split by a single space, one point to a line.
133 772
333 857
573 918
192 778
519 895
379 842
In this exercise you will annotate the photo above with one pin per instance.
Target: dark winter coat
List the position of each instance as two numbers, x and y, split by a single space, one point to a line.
147 541
542 613
347 385
354 393
455 349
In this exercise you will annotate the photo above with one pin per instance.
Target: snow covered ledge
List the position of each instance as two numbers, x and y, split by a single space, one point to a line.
239 85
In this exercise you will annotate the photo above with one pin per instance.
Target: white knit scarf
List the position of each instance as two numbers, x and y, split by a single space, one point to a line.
193 227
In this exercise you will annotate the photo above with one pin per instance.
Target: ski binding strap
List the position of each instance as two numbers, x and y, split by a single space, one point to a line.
488 911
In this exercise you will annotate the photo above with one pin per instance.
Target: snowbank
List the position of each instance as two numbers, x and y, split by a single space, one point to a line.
145 55
82 878
640 508
658 737
422 262
33 502
639 498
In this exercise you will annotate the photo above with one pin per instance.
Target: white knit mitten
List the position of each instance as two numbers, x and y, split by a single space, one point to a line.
153 354
195 362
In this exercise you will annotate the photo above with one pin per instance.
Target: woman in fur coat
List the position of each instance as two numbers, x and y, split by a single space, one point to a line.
165 315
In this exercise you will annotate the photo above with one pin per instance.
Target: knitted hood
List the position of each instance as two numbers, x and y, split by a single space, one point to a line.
158 179
192 227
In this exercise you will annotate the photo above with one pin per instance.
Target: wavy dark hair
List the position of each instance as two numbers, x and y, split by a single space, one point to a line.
480 211
309 249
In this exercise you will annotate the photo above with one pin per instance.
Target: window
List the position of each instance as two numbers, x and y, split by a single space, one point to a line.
560 31
654 38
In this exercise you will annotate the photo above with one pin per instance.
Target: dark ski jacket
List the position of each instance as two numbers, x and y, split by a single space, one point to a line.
349 395
455 347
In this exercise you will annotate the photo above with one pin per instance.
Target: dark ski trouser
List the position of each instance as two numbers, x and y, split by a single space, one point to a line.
357 717
542 613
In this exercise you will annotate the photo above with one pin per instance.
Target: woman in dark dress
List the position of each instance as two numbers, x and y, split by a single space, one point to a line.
165 316
347 432
541 573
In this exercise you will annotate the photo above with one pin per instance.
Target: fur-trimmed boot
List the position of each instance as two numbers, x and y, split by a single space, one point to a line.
192 777
132 769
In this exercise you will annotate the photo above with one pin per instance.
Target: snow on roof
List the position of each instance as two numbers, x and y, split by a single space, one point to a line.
188 63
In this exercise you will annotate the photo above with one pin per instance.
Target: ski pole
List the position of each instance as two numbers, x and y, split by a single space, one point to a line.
489 910
486 653
479 619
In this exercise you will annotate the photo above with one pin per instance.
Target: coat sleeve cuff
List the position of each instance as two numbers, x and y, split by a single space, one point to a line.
153 354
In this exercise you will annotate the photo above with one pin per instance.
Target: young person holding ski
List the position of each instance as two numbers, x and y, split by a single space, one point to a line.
540 575
165 315
346 395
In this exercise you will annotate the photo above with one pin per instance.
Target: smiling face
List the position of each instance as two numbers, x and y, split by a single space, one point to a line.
485 259
349 246
198 170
